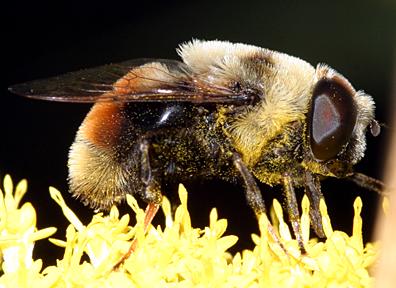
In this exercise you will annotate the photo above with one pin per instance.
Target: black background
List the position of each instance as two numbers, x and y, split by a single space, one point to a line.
40 39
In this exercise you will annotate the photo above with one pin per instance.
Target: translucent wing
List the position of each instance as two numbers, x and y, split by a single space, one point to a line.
140 80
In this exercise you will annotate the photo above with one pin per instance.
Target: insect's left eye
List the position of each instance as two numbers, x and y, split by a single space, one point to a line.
331 119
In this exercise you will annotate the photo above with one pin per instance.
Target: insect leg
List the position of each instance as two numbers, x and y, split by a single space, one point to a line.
292 207
312 190
253 195
252 191
368 183
152 194
151 211
152 190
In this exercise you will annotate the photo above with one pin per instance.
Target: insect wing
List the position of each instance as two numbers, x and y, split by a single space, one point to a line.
139 80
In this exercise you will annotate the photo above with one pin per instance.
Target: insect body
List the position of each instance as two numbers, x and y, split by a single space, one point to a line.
232 111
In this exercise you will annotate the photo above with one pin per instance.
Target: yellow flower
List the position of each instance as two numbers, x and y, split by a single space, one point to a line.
18 233
177 254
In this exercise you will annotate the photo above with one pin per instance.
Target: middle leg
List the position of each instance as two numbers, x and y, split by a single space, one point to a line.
253 196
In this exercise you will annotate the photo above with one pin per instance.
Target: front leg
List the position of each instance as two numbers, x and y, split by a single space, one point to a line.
292 209
312 190
369 183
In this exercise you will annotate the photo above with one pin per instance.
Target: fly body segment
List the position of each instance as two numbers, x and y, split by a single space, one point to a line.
231 111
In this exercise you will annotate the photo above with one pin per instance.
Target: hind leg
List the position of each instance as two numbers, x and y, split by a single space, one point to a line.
151 194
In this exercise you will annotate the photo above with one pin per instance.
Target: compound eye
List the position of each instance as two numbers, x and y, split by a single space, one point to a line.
332 118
